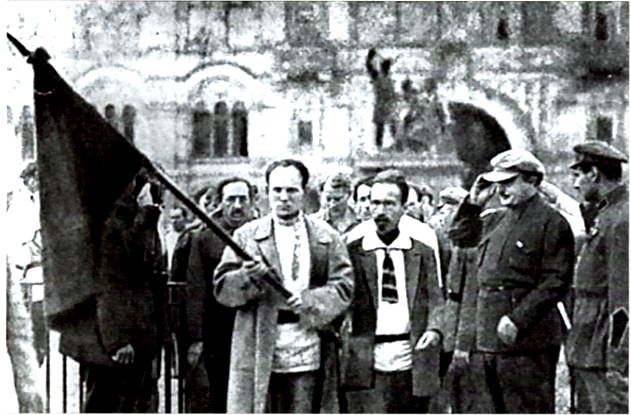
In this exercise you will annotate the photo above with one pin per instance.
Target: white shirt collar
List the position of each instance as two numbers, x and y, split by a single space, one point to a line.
372 241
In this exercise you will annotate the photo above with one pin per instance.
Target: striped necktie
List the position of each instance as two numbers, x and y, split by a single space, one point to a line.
388 280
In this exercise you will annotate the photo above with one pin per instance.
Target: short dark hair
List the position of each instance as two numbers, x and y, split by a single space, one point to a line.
365 181
396 179
225 182
298 165
611 171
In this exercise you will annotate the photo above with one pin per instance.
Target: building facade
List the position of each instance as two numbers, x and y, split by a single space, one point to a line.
212 89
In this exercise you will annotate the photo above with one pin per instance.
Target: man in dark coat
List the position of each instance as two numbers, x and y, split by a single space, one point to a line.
385 97
525 261
598 343
116 338
392 360
209 323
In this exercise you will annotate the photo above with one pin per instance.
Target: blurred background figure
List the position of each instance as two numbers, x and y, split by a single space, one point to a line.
385 96
209 324
361 198
335 195
419 203
27 334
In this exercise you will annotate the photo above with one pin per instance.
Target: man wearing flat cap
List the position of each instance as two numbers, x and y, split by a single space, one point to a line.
598 343
525 260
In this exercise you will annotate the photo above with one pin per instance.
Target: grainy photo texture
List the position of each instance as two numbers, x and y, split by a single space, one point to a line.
304 207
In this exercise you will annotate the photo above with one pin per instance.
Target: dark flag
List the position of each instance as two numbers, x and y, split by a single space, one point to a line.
84 166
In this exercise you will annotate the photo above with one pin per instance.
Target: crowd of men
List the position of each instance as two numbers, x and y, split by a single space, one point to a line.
383 301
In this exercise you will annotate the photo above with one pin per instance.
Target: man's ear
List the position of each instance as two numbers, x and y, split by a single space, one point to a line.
594 174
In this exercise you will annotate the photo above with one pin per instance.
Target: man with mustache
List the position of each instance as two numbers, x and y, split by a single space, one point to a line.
392 359
209 323
284 351
524 268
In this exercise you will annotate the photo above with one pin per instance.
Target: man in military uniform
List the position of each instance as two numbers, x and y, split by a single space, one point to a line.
525 261
598 343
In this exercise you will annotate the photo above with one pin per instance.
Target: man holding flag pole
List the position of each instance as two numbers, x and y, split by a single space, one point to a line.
87 193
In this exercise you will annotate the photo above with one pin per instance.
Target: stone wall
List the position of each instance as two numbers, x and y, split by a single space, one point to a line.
542 75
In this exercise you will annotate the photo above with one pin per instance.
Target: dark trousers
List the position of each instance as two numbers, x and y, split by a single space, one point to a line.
391 394
608 392
291 393
40 330
196 391
218 370
518 383
118 388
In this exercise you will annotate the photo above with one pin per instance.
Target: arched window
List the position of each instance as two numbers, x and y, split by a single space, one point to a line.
503 27
601 31
201 123
604 129
129 117
305 133
110 115
239 130
220 129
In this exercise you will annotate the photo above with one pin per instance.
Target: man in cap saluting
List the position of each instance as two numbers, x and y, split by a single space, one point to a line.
525 260
598 344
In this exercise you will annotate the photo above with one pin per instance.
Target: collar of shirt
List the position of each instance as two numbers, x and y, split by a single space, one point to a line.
372 241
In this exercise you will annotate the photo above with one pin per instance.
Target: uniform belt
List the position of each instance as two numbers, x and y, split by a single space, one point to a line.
389 338
287 317
601 292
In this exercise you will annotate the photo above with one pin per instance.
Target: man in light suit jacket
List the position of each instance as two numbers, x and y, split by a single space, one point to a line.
284 354
392 359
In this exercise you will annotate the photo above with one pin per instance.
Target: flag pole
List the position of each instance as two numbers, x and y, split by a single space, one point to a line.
271 277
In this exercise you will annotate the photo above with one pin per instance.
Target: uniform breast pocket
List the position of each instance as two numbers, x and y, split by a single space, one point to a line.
522 256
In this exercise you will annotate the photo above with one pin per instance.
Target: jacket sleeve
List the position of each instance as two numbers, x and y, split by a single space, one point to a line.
436 306
232 287
618 276
466 228
466 328
195 288
114 304
325 303
555 274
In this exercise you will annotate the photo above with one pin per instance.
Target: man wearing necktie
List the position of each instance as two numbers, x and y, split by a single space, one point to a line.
391 360
284 356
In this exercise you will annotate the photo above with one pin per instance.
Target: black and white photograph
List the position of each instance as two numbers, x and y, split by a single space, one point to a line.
315 207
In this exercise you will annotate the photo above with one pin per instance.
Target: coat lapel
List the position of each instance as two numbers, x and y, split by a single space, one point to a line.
318 248
369 265
264 237
412 275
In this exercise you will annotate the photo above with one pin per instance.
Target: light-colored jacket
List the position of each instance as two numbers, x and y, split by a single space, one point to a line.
254 335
